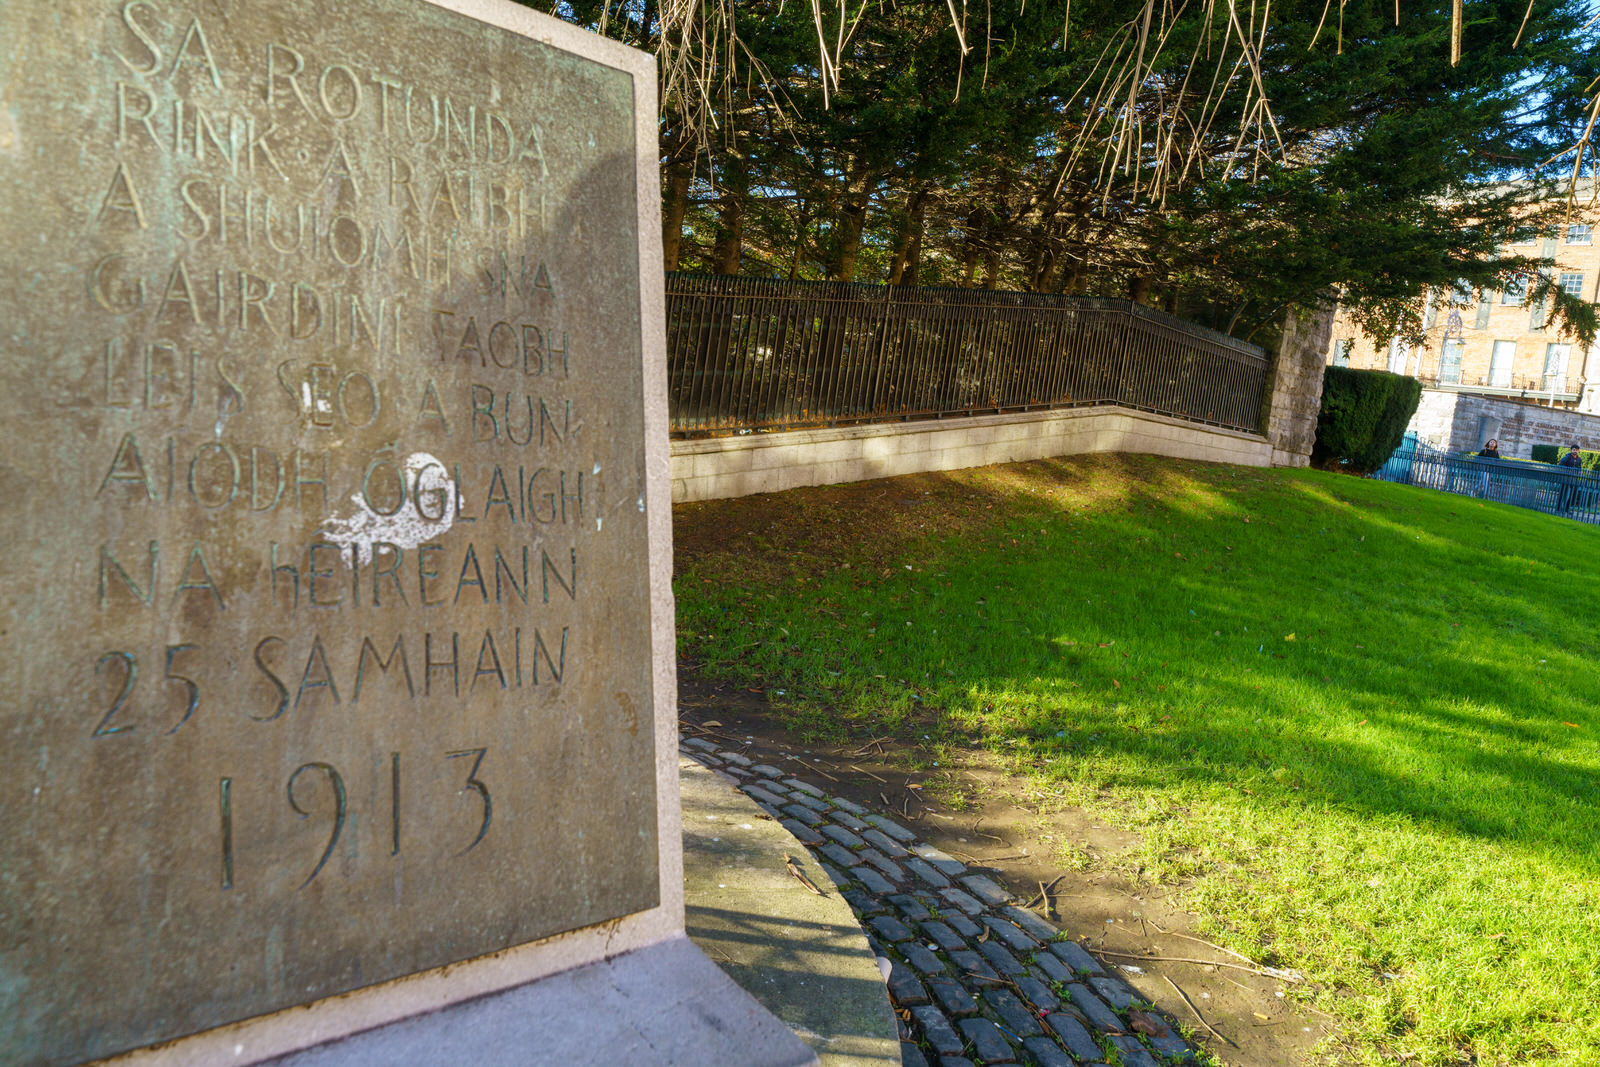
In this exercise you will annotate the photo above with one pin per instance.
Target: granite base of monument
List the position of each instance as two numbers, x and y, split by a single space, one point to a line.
666 1005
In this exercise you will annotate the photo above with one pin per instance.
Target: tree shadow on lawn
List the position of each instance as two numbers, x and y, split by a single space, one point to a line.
1460 731
1438 735
1430 763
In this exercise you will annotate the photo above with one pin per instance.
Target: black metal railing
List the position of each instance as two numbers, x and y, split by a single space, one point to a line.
766 354
1540 486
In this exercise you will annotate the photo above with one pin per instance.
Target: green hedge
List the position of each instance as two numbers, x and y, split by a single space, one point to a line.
1553 454
1364 416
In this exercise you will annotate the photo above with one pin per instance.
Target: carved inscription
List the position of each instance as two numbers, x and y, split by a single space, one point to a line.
323 391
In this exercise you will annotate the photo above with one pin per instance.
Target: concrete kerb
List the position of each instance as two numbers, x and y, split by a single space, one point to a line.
802 955
968 972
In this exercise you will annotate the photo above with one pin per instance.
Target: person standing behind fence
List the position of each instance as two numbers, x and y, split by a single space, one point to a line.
1573 461
1490 450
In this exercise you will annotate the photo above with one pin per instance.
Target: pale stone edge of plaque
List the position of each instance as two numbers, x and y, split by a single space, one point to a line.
304 1026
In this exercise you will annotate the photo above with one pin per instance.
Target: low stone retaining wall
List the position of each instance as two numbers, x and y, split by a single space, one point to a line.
1462 422
714 468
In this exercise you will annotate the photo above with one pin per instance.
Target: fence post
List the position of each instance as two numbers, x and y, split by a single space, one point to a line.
1293 395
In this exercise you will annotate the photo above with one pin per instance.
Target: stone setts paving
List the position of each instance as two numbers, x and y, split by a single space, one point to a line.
973 977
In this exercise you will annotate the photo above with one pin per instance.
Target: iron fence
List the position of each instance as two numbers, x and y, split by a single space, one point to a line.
766 354
1539 486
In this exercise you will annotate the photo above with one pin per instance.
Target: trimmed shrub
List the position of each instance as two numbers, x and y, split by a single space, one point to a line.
1364 416
1553 454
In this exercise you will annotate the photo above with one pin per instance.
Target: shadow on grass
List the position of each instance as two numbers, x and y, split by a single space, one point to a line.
1442 667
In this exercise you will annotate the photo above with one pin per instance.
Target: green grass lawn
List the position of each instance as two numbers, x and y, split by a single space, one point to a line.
1359 722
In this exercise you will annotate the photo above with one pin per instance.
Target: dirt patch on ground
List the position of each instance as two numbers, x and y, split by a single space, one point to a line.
1086 869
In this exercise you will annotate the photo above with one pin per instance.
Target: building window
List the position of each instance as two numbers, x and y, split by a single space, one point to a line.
1450 361
1580 234
1555 367
1430 312
1500 364
1341 352
1398 351
1572 283
1513 293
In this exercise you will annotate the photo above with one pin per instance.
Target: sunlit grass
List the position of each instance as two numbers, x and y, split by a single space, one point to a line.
1358 720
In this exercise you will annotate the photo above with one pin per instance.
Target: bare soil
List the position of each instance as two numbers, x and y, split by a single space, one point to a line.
1086 870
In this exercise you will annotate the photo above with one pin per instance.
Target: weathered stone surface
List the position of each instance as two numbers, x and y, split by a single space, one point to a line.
889 867
1012 1013
943 936
1093 1008
1462 422
964 901
1045 1053
1010 934
904 987
802 833
1073 955
839 854
892 828
883 841
1053 968
1030 922
986 889
1074 1036
1003 961
961 924
910 907
970 963
890 929
843 836
922 958
952 996
803 814
927 872
1294 385
987 1041
1114 992
327 586
937 1031
1038 994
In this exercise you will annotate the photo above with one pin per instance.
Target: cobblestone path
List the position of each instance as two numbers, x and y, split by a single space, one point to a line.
974 979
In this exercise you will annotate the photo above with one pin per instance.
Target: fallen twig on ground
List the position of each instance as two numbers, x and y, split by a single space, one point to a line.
794 869
877 742
814 767
1267 972
1203 941
1043 895
1214 1032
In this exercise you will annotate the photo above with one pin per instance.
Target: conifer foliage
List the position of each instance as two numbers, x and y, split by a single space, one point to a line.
1216 159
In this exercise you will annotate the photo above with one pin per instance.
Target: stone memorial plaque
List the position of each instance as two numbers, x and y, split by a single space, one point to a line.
325 597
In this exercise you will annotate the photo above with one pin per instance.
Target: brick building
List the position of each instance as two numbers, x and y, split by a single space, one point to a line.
1497 344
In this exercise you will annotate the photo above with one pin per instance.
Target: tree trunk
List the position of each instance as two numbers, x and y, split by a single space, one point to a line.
908 238
913 271
991 269
672 212
1139 289
852 221
801 228
729 246
730 233
970 247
